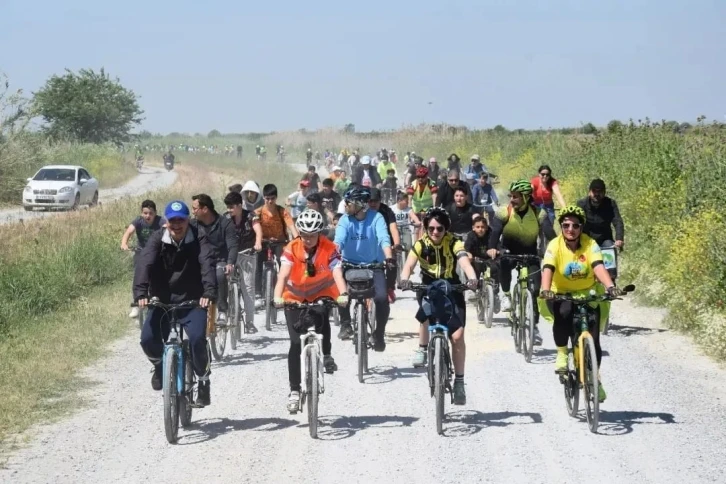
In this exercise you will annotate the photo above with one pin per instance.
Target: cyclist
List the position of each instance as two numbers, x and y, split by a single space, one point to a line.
423 192
177 265
390 218
544 187
602 213
572 264
365 174
439 254
362 238
405 219
297 201
484 195
222 236
310 268
461 214
384 166
434 169
313 178
475 167
330 198
519 225
144 225
251 196
454 163
445 194
249 232
309 156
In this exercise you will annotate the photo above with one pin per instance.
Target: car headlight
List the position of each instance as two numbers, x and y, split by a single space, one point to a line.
65 190
28 188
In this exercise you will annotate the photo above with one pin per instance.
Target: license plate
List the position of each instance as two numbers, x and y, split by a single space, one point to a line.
44 198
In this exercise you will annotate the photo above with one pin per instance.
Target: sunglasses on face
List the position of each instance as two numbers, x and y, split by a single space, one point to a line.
437 229
568 226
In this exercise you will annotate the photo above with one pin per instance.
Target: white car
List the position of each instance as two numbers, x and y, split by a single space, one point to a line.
60 187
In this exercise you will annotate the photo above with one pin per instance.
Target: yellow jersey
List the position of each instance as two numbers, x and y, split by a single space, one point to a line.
439 261
573 271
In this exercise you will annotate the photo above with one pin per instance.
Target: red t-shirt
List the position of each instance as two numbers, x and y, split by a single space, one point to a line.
541 193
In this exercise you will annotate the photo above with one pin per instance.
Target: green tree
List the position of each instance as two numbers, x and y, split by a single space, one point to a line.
88 107
615 126
214 134
349 128
500 129
589 128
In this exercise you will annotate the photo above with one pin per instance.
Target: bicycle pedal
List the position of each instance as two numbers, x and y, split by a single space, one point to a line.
196 405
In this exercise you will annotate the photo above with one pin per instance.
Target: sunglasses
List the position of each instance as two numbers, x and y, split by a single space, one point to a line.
568 226
437 229
309 268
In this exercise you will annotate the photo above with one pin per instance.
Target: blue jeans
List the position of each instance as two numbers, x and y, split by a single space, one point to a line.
157 328
383 307
550 209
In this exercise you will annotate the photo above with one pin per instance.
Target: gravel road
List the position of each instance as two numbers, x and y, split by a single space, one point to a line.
663 422
149 179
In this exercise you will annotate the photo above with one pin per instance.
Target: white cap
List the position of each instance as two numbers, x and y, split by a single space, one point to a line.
365 160
337 168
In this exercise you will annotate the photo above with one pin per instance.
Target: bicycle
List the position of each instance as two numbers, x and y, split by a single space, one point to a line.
218 337
311 364
574 378
359 278
610 261
141 316
485 301
441 367
179 380
388 196
270 267
521 315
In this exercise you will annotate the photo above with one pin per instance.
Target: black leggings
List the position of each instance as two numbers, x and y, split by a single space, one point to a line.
293 355
535 281
563 330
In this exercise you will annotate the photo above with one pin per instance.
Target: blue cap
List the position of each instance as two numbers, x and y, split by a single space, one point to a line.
176 209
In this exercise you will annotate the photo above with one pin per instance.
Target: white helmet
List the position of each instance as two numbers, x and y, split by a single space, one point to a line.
309 222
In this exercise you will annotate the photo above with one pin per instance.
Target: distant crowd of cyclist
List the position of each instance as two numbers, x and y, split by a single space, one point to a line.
448 221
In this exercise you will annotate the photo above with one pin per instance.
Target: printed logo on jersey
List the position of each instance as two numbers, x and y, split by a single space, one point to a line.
575 270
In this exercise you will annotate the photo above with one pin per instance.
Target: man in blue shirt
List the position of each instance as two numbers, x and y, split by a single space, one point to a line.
362 238
484 196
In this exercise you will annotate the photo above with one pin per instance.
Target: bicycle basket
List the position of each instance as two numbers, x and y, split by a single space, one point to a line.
360 283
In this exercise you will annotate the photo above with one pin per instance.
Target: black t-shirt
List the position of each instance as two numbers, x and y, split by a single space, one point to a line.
244 229
330 201
461 218
144 230
389 217
477 246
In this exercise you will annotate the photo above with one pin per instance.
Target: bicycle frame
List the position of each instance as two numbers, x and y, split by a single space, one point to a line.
313 341
439 331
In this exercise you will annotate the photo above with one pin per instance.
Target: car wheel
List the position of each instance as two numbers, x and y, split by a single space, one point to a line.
76 202
94 201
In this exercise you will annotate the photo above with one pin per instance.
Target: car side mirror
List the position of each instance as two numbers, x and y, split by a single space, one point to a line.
83 180
29 180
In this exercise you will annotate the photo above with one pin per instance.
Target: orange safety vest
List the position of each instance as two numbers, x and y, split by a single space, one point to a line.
302 288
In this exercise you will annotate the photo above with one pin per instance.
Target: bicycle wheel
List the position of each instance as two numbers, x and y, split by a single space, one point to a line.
218 340
171 402
312 384
489 308
269 308
233 316
607 326
571 383
439 390
514 317
362 342
335 316
527 325
592 401
187 398
399 263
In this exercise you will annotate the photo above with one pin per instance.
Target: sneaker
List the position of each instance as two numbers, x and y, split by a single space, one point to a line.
329 364
391 296
346 331
497 304
561 362
537 337
156 378
378 343
601 395
293 402
419 358
259 303
250 328
134 312
203 398
505 303
221 317
459 392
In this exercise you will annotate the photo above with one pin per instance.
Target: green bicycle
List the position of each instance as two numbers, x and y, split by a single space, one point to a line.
521 316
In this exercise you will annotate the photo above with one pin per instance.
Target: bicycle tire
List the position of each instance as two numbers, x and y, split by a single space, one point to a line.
234 314
439 390
141 317
514 318
362 343
218 340
399 263
169 387
527 325
269 308
335 316
489 309
312 384
187 398
592 402
571 383
607 326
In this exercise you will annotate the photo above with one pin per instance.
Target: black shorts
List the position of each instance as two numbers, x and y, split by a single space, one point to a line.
454 324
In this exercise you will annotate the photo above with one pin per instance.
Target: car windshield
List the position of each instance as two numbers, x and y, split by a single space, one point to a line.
56 174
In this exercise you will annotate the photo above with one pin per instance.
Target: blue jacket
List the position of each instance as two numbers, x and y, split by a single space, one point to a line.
362 241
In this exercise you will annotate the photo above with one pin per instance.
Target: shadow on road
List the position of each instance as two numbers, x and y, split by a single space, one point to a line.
209 429
259 342
386 374
470 422
623 422
336 427
627 331
248 358
400 337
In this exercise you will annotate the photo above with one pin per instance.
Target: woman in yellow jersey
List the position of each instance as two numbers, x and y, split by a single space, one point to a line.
423 194
573 264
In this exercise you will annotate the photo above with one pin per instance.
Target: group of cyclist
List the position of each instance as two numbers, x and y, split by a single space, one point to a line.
459 234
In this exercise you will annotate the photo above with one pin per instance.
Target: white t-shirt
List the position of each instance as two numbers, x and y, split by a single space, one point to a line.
402 218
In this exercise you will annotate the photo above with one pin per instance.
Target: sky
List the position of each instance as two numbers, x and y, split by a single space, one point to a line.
285 65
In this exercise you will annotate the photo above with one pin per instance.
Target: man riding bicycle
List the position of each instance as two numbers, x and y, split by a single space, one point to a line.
602 214
439 253
176 265
519 225
310 269
362 238
572 264
222 236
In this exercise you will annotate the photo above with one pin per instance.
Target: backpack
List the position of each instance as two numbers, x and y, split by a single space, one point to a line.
438 304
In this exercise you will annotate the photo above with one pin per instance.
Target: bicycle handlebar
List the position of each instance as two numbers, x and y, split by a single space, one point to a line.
323 302
418 287
154 302
520 257
372 265
591 298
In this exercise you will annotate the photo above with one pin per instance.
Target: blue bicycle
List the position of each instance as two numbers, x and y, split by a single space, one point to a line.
179 380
